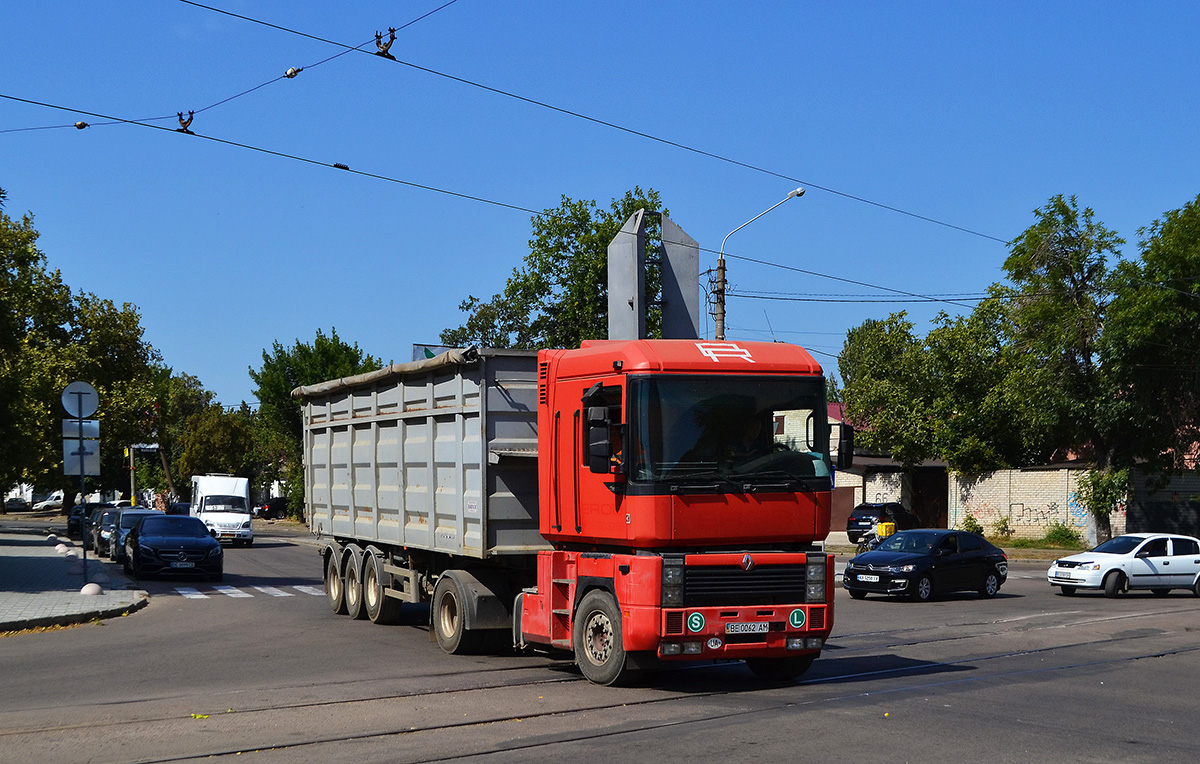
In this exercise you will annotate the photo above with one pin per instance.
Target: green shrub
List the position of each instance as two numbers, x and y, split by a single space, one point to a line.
969 524
1061 534
1002 529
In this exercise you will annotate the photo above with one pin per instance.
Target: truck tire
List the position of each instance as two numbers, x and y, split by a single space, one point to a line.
599 649
335 588
780 668
447 616
354 589
380 608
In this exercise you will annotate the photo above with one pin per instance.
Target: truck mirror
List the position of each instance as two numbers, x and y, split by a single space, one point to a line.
599 440
845 459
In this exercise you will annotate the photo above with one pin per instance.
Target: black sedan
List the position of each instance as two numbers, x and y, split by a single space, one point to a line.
172 545
920 563
863 518
102 530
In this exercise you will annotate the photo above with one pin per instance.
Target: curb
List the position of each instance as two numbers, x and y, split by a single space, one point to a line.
72 619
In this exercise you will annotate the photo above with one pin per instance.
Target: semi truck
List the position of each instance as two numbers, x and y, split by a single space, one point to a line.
629 502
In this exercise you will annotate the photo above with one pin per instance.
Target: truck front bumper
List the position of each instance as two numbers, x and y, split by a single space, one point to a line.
743 632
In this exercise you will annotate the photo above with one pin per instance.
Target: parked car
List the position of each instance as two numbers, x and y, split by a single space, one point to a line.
78 517
864 516
93 520
172 545
53 501
15 504
126 519
1159 562
921 563
274 508
179 508
102 530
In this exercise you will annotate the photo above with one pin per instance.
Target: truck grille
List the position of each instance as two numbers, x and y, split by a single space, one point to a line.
730 585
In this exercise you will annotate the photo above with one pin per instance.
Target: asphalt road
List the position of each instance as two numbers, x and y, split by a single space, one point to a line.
263 669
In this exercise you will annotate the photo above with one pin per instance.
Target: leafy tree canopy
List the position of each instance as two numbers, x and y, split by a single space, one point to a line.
559 297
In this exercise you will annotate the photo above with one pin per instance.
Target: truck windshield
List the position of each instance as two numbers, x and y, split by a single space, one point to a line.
742 429
224 504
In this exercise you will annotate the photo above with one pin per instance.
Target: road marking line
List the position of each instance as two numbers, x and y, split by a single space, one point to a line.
191 592
271 590
230 591
316 591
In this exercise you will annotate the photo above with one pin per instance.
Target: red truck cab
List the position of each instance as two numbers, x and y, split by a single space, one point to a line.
683 485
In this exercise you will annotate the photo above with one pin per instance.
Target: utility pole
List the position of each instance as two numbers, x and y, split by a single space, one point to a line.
719 291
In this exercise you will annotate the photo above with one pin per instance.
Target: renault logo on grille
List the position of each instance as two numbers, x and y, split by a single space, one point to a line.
747 563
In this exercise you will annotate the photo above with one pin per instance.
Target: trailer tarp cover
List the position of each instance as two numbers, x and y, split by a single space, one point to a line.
442 360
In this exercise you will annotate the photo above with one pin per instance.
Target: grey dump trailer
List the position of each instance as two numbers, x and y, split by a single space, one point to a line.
421 484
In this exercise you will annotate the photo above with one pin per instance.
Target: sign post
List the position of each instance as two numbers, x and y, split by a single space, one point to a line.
81 445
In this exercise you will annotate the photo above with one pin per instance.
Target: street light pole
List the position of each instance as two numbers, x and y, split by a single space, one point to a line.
719 291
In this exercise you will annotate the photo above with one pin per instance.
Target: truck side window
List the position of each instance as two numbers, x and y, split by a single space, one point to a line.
602 409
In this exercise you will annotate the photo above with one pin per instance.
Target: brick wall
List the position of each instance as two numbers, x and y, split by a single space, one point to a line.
1031 500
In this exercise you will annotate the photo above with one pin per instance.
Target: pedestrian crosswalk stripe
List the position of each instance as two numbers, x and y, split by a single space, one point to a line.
192 593
271 590
230 591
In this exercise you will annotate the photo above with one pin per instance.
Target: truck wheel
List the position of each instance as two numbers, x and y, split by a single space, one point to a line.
448 618
1114 584
599 650
380 607
335 590
354 589
780 668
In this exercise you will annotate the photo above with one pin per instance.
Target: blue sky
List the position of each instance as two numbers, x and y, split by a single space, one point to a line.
970 114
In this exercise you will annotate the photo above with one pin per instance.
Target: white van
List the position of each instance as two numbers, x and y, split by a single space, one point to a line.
223 503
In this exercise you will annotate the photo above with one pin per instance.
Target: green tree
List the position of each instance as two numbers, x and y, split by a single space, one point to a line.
280 427
559 296
1028 376
1152 333
50 336
217 441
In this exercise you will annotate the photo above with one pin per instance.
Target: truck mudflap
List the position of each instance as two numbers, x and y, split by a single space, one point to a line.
698 633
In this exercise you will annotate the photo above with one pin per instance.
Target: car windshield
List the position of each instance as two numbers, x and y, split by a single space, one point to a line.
173 526
218 503
129 519
108 518
744 429
914 542
1119 545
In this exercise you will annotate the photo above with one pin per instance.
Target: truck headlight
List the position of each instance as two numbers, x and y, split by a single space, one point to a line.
815 591
672 582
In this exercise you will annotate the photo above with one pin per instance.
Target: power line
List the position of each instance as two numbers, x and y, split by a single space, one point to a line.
291 73
608 124
447 192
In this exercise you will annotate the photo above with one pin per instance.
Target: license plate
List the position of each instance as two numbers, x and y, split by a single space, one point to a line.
756 627
183 565
1061 574
868 579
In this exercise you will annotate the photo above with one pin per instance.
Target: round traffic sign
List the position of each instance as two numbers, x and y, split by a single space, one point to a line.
80 399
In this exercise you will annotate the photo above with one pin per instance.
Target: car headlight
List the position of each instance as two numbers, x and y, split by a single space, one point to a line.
246 524
215 552
904 569
1088 566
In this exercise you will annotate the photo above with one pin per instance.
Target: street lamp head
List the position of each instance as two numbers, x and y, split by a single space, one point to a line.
797 192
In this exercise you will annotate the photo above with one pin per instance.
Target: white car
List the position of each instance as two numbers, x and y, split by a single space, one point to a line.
1159 562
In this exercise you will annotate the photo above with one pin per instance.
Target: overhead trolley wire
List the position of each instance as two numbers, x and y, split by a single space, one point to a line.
447 192
608 124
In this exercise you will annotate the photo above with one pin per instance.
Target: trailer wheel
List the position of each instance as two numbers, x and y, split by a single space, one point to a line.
381 608
354 589
599 650
448 618
334 589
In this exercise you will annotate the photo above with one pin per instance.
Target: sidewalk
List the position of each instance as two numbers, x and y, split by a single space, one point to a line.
40 584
